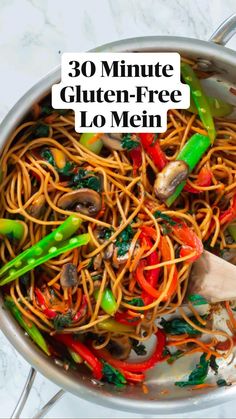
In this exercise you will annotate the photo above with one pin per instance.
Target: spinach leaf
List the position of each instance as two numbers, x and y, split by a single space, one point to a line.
128 144
221 383
197 299
123 240
40 130
66 170
138 348
138 302
46 109
176 355
213 364
62 320
112 375
86 179
105 233
165 217
179 327
198 375
168 222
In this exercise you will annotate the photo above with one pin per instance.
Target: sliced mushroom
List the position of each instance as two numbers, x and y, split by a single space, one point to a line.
69 276
108 252
170 177
84 200
112 141
37 206
120 347
97 262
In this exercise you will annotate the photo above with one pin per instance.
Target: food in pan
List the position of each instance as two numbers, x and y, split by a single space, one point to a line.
99 233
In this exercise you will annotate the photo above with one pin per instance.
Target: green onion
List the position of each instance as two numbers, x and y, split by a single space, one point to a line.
200 99
32 330
191 154
108 302
92 143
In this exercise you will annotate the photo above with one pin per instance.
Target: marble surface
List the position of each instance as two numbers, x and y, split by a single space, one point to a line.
33 34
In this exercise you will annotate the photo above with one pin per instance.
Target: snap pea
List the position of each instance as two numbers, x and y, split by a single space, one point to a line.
33 262
32 330
61 233
191 154
200 99
108 302
218 107
12 228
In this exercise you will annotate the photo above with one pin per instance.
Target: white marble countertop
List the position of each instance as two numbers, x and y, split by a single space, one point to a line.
33 33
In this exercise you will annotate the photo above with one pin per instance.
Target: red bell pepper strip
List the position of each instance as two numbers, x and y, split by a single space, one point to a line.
136 157
81 312
166 255
83 351
204 178
152 259
51 314
153 149
190 239
136 367
230 214
125 318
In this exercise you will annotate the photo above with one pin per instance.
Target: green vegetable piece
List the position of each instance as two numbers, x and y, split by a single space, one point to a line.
138 347
138 302
218 107
11 228
62 320
112 375
61 233
176 355
190 154
76 357
112 325
108 302
232 231
92 143
123 240
54 251
40 130
32 330
200 99
213 364
86 179
198 375
165 217
179 327
197 299
222 383
128 144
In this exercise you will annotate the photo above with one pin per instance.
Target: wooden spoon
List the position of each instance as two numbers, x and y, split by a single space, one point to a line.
213 278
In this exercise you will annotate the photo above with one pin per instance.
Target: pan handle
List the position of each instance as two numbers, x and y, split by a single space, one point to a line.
25 394
225 31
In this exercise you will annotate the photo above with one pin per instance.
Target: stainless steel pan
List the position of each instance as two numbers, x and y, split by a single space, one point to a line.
211 55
